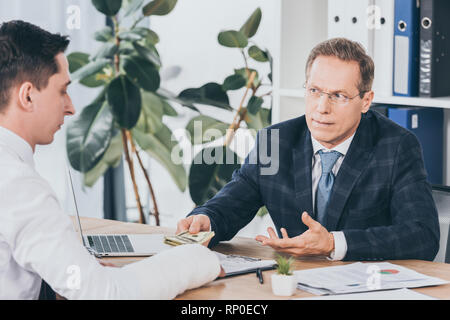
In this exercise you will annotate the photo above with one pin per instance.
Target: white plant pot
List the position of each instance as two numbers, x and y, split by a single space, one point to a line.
283 285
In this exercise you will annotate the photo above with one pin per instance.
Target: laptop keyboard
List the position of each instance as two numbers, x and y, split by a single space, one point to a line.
109 244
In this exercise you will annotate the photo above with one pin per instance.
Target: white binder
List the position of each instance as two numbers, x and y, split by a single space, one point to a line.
353 19
383 48
336 18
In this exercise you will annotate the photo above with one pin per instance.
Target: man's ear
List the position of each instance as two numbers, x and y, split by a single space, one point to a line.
25 96
367 101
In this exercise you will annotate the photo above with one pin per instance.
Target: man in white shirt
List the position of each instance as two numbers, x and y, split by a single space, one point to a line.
351 183
37 239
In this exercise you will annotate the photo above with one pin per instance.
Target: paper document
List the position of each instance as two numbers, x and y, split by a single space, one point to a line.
397 294
234 264
361 277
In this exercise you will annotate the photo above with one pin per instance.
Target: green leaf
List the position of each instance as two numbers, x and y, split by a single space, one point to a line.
254 104
246 74
159 7
130 36
151 38
251 25
104 35
210 94
233 39
108 7
149 54
168 109
167 95
106 51
141 72
198 129
93 81
111 158
262 211
207 176
257 54
77 60
90 69
89 136
133 7
159 146
234 82
150 120
260 120
125 100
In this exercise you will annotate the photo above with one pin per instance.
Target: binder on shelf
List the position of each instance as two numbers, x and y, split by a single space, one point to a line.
434 48
349 19
406 48
428 126
383 46
336 18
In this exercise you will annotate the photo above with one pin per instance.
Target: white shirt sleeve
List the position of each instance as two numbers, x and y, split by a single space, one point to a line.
340 246
43 242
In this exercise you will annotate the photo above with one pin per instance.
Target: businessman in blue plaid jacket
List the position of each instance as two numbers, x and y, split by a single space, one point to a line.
343 182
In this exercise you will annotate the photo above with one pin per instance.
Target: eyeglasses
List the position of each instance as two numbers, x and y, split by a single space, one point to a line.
335 98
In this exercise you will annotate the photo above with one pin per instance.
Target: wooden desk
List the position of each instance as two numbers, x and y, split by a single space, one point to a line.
248 286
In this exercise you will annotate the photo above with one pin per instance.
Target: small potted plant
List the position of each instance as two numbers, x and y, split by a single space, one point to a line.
284 282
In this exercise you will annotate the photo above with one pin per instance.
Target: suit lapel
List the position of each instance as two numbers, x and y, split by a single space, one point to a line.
356 160
302 162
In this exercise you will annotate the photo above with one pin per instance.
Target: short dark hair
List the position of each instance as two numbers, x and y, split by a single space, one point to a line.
346 50
27 53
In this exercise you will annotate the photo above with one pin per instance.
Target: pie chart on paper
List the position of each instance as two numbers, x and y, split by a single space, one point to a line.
389 271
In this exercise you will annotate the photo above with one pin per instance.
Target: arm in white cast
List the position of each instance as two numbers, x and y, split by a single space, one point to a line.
171 272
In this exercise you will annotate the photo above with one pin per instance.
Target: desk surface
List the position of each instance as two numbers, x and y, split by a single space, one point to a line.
247 286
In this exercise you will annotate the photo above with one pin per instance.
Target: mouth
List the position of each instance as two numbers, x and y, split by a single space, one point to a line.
322 123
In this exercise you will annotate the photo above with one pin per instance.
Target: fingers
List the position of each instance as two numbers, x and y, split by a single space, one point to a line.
199 223
310 222
184 224
284 233
194 224
222 273
272 233
108 264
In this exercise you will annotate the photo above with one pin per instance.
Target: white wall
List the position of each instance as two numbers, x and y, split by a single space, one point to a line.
189 40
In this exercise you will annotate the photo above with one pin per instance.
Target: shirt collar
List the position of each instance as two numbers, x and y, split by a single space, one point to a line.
342 147
18 145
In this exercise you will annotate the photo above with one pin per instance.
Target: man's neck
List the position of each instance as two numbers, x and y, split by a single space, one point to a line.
17 128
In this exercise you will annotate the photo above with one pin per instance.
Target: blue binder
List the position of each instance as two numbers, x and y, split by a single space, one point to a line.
428 126
406 48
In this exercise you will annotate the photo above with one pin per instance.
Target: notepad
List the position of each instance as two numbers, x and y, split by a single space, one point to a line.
234 265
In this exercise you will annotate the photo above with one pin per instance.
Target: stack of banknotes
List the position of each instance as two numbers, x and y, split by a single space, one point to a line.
188 238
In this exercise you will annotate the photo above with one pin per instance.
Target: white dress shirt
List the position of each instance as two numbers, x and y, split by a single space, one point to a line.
38 241
340 243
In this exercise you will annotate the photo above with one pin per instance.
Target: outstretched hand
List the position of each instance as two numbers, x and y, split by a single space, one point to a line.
315 241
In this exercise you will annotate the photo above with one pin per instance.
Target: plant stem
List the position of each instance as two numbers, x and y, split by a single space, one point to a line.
152 193
133 179
240 114
124 131
137 21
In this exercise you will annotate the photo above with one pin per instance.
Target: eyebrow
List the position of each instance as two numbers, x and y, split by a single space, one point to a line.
334 91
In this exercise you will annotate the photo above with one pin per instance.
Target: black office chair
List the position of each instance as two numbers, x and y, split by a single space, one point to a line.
46 292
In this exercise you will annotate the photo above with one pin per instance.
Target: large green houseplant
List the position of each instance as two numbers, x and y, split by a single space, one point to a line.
206 178
126 117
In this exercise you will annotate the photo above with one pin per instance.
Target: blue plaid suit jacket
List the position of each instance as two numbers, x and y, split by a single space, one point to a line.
381 199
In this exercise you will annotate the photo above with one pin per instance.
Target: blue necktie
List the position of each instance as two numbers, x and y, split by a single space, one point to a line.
325 184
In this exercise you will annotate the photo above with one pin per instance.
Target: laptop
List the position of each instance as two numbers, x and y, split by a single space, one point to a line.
120 245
